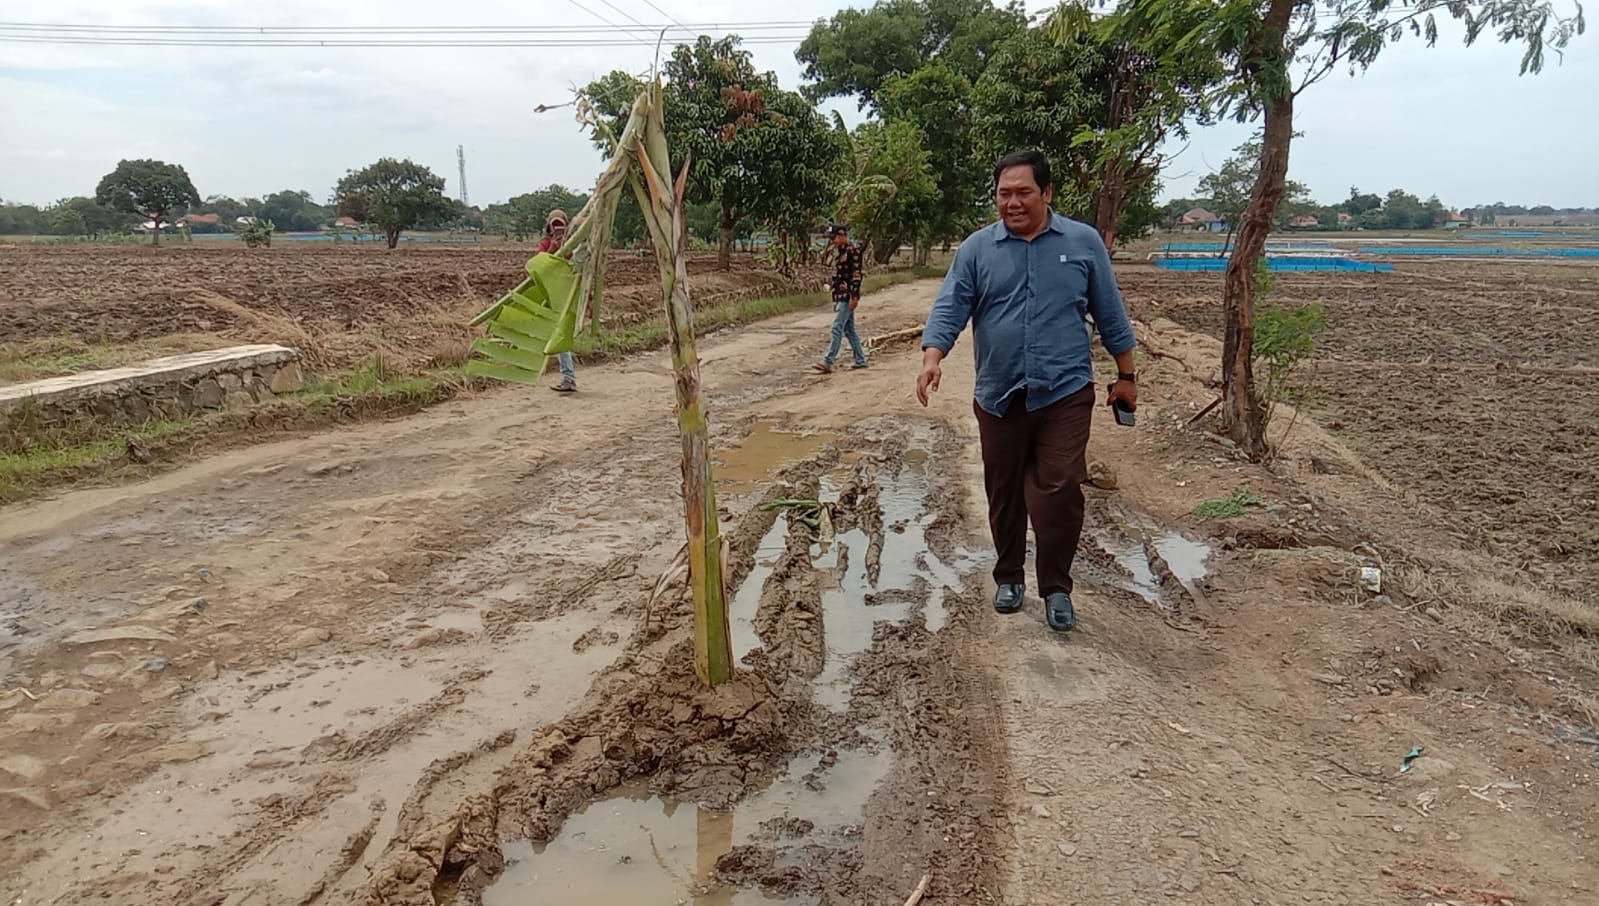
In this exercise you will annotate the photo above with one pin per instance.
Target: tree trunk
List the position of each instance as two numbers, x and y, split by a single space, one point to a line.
1242 407
393 237
1108 209
155 237
724 241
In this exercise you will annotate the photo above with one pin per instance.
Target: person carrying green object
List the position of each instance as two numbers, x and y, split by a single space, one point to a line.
554 235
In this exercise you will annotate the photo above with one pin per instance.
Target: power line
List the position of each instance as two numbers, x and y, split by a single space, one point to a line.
625 14
664 13
607 34
517 29
591 11
336 43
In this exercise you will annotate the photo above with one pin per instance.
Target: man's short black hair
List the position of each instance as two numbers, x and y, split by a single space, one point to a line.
837 228
1030 157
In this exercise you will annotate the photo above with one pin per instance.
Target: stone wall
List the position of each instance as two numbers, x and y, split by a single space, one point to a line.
169 388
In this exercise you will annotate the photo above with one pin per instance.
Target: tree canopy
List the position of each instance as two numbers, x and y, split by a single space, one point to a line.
755 150
917 61
393 195
897 193
149 188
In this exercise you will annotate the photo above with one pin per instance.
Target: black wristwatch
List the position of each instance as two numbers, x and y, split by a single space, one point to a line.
1128 376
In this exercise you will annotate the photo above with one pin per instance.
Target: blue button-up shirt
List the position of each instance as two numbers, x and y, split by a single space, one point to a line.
1027 303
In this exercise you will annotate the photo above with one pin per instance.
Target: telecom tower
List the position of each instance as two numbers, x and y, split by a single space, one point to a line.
460 157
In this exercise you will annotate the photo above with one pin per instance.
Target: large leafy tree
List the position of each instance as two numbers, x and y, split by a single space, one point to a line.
1145 86
1272 51
1053 95
293 211
394 196
937 99
857 51
918 60
801 160
898 193
149 188
755 151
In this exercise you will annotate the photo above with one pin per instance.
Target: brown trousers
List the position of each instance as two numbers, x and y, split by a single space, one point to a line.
1034 464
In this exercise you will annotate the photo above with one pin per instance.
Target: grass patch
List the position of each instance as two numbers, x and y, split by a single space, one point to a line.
652 334
27 473
1229 507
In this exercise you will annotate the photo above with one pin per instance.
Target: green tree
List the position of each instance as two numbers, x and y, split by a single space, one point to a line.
1403 211
938 101
1141 87
1263 44
800 160
149 188
97 218
918 61
293 211
857 51
900 193
392 195
65 221
522 217
23 219
750 143
1358 203
715 100
1227 189
229 209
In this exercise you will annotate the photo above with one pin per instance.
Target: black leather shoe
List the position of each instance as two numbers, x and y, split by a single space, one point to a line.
1058 612
1008 599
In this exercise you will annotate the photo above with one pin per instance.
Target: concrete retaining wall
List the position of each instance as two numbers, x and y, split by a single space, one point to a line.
172 387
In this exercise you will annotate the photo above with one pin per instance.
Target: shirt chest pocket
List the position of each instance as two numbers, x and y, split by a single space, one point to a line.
1067 283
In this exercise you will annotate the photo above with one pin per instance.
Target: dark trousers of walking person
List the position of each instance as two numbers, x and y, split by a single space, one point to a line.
1034 465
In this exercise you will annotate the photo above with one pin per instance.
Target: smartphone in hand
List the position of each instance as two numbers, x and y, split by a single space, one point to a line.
1124 415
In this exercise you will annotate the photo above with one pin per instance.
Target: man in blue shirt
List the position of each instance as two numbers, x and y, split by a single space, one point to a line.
1026 285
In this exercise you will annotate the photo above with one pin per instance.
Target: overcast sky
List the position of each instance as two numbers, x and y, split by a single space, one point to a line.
1450 121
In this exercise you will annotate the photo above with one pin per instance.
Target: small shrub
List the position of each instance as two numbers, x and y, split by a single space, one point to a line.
1229 507
258 233
1284 338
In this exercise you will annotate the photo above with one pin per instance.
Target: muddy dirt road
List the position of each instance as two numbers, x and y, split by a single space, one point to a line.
420 661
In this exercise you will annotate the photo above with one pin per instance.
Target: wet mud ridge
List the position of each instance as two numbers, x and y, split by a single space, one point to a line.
857 749
1130 557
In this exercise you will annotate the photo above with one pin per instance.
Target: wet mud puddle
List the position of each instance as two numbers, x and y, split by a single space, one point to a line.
1148 556
887 578
761 454
634 847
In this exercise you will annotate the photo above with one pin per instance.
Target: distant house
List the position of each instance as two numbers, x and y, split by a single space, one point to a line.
207 219
1345 218
1304 222
1456 220
1201 219
347 223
